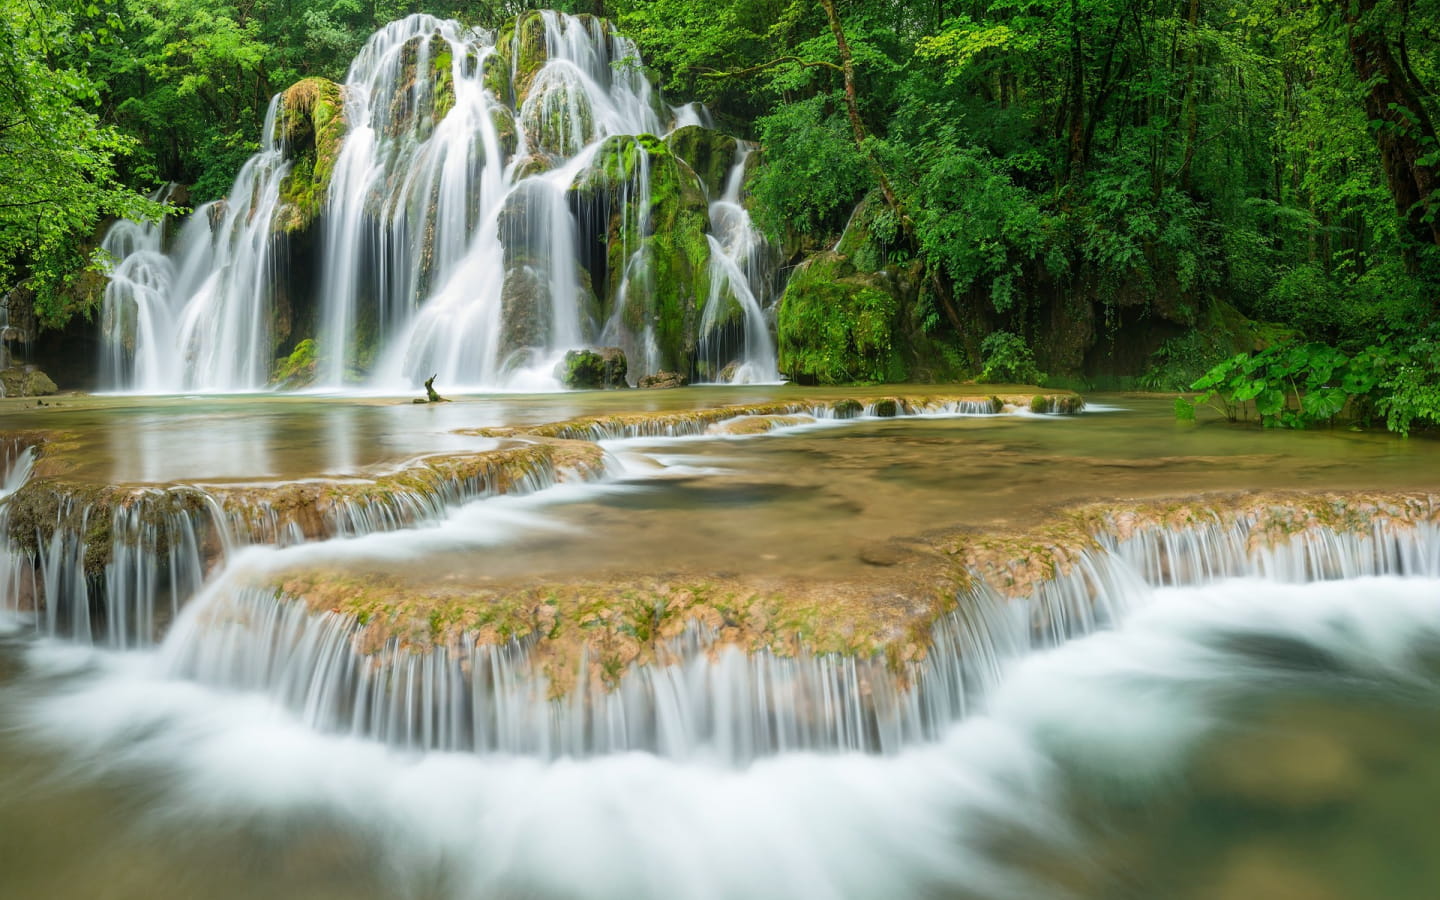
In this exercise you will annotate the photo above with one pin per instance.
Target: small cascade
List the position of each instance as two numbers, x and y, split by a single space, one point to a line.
714 420
198 317
440 196
739 350
713 702
704 700
114 568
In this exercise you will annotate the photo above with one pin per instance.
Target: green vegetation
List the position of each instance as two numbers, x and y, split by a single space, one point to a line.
1076 187
1007 360
1302 385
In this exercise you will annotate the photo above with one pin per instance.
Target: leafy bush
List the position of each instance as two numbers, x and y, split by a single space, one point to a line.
1299 385
1007 359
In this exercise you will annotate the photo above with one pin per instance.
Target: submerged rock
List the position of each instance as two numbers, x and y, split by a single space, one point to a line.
662 380
603 368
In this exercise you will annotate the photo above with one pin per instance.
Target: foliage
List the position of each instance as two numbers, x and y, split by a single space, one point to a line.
1007 359
1180 361
57 176
1302 385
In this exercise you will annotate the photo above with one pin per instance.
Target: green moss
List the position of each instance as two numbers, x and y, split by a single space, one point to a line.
298 369
527 52
836 326
313 127
709 154
663 247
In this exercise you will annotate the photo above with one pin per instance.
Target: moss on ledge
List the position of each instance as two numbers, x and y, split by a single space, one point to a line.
312 128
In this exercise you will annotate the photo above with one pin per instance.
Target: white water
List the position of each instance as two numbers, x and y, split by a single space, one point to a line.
1127 705
198 317
413 261
740 271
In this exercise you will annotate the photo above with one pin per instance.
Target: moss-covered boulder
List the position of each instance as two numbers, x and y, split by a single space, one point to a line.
506 129
585 369
708 152
649 218
25 381
312 128
297 370
837 325
521 51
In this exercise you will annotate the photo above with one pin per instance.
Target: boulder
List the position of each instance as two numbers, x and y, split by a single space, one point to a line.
707 152
312 128
26 381
603 368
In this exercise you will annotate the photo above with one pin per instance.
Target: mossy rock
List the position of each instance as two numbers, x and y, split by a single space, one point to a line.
663 381
664 246
838 326
526 51
312 128
557 116
26 381
495 73
586 369
525 309
506 130
298 370
428 61
709 153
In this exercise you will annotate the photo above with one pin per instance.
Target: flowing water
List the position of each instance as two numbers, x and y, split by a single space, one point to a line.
419 252
1199 717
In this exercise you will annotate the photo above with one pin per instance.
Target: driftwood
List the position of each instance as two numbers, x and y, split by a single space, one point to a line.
430 395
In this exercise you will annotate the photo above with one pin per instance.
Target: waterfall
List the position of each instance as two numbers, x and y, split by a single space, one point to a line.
198 318
742 274
447 234
701 699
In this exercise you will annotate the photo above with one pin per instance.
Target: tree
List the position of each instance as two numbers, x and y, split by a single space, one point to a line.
57 160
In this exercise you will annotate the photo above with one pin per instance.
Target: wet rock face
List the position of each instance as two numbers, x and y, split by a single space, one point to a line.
26 381
709 153
313 126
603 368
651 258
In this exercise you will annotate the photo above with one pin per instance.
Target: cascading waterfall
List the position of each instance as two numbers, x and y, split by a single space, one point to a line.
446 233
116 573
198 317
703 700
742 272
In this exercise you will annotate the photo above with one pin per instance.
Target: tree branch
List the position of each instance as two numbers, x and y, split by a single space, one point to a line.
741 73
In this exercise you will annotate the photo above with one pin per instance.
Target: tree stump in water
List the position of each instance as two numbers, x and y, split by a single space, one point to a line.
430 395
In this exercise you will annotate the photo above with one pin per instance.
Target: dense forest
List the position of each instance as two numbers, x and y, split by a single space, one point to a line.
1093 190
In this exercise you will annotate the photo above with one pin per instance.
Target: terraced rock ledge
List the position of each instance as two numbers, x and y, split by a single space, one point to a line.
611 664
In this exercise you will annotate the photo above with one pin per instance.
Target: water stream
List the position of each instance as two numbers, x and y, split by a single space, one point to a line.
1188 711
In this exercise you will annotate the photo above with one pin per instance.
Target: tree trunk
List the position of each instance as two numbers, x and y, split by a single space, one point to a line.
852 104
1401 125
